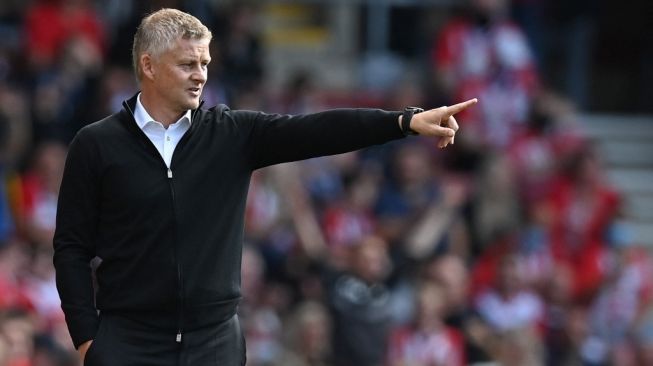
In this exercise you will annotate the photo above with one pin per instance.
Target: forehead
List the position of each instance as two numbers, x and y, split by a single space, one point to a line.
190 48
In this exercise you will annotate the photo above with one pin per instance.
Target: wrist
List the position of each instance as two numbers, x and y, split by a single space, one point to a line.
406 119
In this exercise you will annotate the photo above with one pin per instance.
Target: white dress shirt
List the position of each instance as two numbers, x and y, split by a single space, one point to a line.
164 139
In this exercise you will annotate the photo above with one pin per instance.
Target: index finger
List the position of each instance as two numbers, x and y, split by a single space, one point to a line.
457 108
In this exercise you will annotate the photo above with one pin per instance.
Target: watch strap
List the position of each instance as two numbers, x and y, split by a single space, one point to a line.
407 116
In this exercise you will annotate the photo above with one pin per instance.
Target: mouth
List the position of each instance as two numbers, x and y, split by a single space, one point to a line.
195 91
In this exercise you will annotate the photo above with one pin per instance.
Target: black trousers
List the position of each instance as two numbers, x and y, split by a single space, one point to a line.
125 342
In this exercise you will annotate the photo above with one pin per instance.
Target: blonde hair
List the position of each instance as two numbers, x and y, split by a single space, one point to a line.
160 29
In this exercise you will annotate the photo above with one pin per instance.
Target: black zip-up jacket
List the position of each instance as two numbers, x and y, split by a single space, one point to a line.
170 239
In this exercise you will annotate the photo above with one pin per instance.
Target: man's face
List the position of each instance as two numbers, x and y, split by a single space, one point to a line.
179 74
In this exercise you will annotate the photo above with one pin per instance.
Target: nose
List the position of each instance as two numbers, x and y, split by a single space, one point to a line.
199 76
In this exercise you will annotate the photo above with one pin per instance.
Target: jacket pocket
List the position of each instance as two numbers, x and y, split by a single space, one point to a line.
89 357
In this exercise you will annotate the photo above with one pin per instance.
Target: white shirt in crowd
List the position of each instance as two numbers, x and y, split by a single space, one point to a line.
524 309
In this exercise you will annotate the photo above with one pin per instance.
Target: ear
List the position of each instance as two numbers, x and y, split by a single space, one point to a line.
147 66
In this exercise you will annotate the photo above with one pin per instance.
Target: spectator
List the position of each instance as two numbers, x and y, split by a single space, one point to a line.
559 340
495 207
622 301
451 272
582 206
40 187
13 262
264 209
549 135
349 219
308 337
411 189
440 228
359 302
428 340
51 24
301 95
261 322
486 54
509 306
116 84
240 49
515 314
17 329
14 125
41 288
63 97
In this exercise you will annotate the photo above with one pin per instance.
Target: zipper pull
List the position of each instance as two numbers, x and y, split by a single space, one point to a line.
169 173
178 337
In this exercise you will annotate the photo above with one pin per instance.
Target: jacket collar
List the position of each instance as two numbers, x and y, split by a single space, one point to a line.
129 106
126 117
142 117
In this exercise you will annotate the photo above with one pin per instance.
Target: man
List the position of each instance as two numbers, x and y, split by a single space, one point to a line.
167 227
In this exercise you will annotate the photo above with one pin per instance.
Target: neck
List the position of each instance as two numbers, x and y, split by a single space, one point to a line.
158 109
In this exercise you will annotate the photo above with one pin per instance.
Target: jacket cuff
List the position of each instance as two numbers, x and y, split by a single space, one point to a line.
83 329
391 126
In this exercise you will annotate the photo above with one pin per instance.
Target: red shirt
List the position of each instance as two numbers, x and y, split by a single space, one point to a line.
408 346
48 26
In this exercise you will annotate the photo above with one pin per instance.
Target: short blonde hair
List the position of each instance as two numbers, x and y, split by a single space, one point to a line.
159 30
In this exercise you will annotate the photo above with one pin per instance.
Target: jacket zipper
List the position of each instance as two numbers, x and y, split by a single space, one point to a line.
180 289
180 283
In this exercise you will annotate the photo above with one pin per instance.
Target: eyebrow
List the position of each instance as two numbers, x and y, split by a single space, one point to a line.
190 60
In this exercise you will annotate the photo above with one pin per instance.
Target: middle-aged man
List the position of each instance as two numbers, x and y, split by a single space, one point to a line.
158 190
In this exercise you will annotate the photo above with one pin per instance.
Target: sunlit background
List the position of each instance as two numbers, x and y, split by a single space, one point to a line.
525 243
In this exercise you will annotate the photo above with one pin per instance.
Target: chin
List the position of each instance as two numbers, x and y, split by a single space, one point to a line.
191 103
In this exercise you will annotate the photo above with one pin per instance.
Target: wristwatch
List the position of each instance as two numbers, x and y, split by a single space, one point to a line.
409 112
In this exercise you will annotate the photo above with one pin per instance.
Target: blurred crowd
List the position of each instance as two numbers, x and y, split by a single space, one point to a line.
506 248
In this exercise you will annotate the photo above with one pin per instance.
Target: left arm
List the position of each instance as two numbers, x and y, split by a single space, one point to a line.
277 138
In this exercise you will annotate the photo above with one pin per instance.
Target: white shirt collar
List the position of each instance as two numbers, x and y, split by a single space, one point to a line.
143 118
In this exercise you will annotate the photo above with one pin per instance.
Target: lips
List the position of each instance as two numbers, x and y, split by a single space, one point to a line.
195 91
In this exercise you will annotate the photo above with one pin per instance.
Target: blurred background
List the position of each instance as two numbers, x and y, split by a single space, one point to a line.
525 243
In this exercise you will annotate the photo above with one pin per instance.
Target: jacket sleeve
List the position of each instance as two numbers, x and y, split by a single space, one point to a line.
275 138
74 247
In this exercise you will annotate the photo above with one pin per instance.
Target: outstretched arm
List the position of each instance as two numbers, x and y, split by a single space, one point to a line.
277 138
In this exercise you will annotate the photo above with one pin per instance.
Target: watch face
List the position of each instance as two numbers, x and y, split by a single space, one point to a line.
415 109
